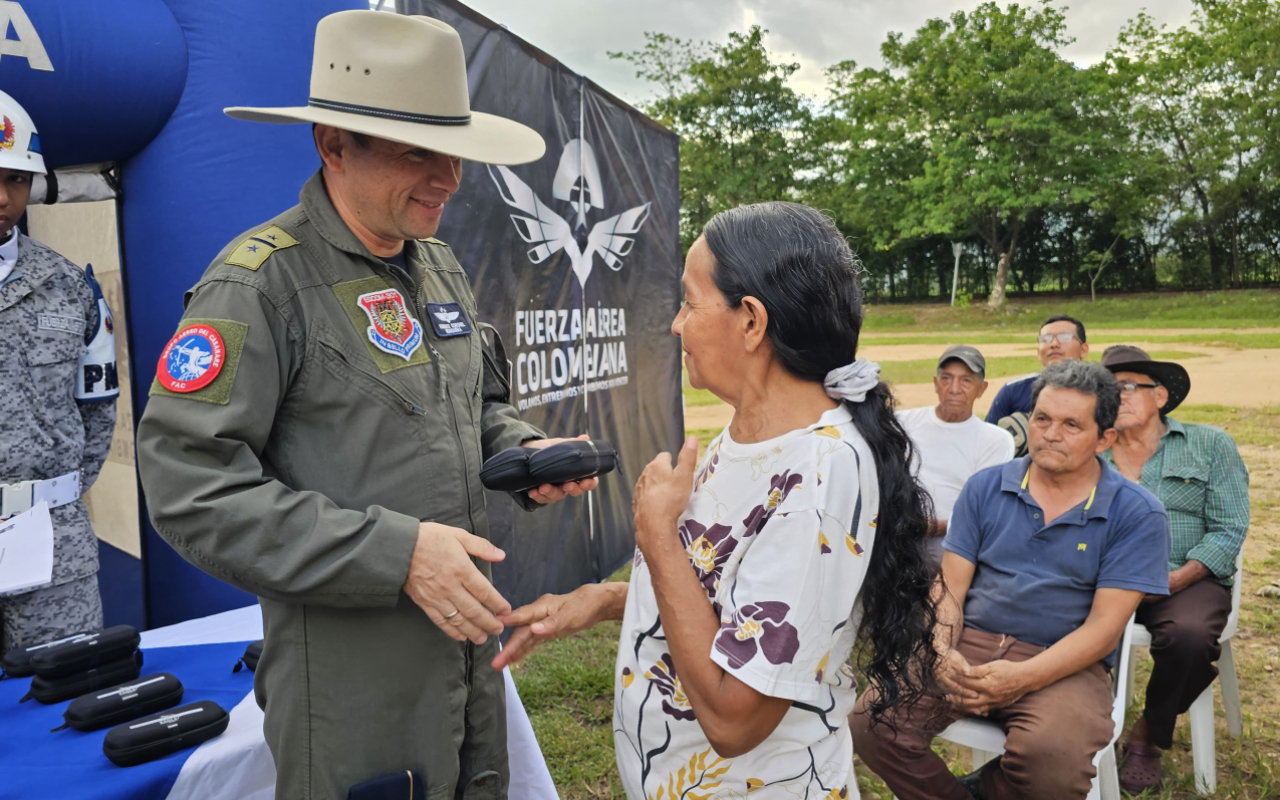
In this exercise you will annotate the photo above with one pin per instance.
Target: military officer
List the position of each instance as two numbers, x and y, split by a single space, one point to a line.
317 424
58 389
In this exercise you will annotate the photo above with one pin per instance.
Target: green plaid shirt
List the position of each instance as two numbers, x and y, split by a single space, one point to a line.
1199 476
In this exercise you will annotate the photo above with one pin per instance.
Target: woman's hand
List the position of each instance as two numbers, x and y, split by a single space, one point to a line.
553 616
660 497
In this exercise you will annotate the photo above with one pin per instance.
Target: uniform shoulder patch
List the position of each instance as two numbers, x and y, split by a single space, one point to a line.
200 361
433 240
258 247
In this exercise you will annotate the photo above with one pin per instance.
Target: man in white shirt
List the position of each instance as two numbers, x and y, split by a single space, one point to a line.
951 442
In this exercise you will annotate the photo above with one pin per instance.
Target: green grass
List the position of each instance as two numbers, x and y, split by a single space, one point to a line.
1253 308
1259 426
923 370
1239 341
567 688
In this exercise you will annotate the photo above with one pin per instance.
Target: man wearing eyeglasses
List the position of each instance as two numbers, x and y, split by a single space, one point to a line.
1198 474
951 442
1061 338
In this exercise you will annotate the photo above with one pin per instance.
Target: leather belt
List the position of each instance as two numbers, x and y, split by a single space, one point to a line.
16 498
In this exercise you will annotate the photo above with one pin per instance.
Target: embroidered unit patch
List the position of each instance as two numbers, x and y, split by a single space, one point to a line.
191 359
392 330
56 322
448 319
217 391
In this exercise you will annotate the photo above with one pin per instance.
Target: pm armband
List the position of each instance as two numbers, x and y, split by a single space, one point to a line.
97 378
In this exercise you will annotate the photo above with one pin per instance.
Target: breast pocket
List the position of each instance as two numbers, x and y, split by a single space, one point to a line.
1079 557
1183 486
344 366
52 358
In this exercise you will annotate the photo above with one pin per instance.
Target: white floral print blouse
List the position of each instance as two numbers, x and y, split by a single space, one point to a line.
779 533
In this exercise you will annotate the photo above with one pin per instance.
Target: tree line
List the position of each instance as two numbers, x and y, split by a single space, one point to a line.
1158 166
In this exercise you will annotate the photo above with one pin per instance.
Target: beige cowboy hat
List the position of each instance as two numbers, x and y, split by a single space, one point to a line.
402 78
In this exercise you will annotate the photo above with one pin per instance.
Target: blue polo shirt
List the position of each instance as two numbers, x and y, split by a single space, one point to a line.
1036 582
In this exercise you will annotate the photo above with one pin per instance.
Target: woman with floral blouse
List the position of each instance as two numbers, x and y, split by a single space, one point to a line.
785 564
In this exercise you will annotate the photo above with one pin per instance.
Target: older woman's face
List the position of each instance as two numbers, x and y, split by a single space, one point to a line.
709 331
1139 406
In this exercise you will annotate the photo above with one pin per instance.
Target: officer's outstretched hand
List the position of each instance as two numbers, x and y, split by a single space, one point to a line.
442 580
546 493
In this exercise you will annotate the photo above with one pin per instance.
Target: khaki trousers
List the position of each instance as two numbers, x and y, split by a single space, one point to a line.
1052 735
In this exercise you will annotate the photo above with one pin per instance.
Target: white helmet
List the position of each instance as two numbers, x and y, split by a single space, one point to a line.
19 142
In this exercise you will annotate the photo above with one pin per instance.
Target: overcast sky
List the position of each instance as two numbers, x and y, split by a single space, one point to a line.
815 33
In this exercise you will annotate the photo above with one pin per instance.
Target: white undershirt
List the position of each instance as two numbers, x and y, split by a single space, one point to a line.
949 453
8 255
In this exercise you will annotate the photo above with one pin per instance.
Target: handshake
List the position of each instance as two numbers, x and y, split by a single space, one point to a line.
443 581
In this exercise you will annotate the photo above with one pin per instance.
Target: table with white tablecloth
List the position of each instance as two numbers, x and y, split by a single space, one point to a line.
236 765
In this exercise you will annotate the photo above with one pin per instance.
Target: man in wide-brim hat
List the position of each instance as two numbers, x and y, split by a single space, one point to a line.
1198 474
326 392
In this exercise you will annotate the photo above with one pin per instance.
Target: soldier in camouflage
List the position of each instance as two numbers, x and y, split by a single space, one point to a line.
57 397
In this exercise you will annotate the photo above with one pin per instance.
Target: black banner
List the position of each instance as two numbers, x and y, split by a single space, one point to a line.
576 260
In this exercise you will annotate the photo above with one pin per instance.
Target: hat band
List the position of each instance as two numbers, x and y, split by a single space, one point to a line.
386 113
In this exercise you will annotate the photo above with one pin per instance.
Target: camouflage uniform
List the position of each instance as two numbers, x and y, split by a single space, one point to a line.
46 305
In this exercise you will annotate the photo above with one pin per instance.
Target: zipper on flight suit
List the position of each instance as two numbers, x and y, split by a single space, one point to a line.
453 411
444 389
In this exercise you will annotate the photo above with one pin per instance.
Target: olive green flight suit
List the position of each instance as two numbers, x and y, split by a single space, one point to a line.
301 472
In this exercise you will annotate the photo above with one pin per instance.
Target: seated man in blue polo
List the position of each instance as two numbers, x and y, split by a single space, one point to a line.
1047 557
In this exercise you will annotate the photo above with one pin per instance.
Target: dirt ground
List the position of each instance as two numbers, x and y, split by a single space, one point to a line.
1245 378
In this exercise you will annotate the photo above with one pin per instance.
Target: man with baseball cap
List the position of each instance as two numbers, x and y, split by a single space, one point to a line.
951 442
58 390
1198 474
317 424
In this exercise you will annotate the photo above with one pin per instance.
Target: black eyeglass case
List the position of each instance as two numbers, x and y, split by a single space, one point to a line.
405 785
55 690
117 704
86 653
250 658
17 662
508 471
158 735
574 460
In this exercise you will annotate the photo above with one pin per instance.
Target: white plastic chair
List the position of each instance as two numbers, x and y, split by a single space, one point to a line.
987 739
1203 747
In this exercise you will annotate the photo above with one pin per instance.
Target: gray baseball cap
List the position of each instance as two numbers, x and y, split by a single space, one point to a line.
965 353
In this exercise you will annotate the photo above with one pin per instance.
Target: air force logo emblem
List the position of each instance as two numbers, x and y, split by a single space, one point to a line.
191 359
578 183
392 330
448 319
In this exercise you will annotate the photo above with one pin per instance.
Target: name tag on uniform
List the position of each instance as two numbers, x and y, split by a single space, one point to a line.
57 322
448 319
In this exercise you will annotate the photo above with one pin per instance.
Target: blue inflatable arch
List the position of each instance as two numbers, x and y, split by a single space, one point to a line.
143 83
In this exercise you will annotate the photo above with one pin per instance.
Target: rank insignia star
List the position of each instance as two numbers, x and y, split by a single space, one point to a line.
255 249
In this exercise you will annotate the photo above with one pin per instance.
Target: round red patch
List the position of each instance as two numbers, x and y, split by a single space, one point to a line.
191 359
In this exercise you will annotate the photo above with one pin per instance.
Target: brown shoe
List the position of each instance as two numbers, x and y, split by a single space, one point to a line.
1142 770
